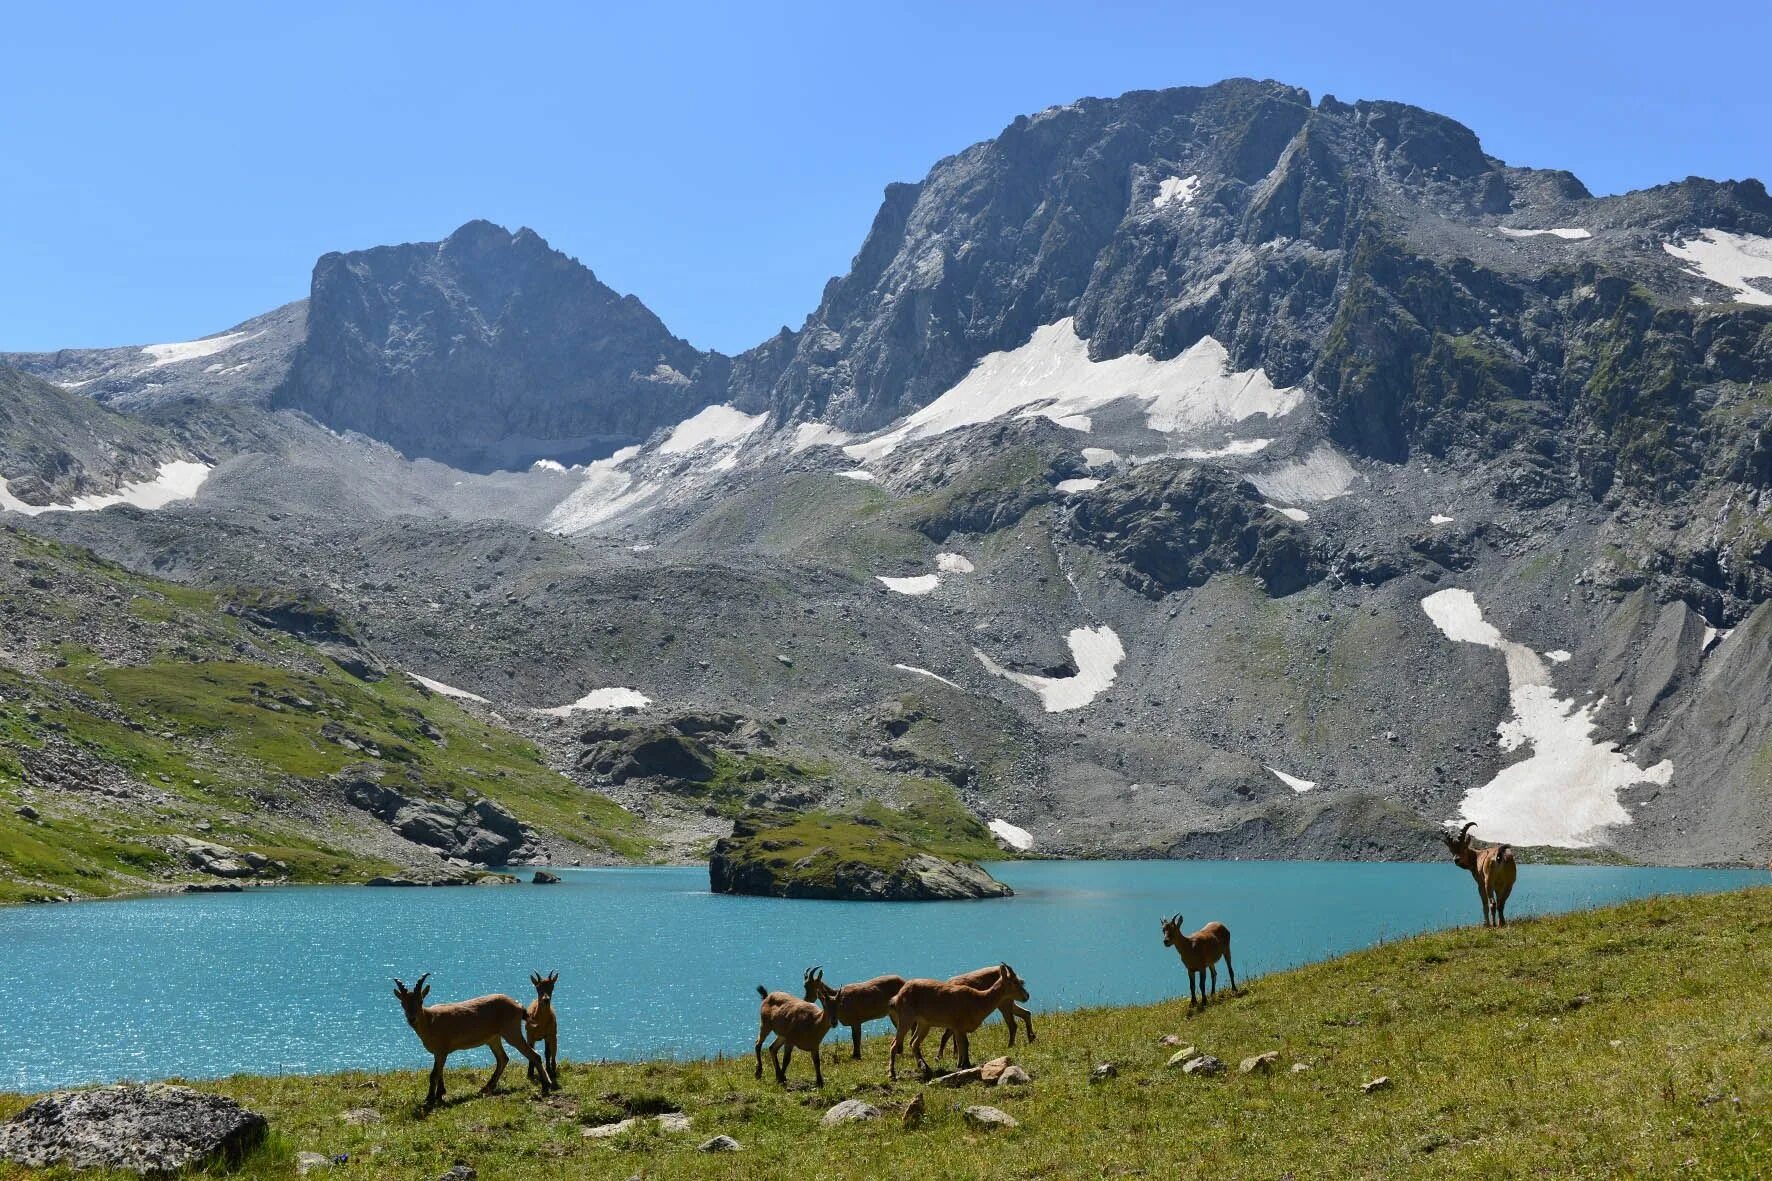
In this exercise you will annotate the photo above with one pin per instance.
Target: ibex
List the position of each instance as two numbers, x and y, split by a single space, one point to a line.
922 1005
796 1024
854 1004
1493 868
984 978
1200 952
462 1025
539 1025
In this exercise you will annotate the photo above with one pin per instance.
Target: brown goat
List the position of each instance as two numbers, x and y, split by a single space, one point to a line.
1493 868
922 1005
984 978
462 1025
854 1004
539 1024
796 1024
1200 953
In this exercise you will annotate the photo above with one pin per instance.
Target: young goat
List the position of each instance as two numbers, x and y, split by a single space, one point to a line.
1200 952
483 1021
854 1004
796 1024
539 1025
922 1005
1493 868
984 978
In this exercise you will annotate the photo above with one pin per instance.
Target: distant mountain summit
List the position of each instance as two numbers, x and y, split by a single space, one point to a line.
489 350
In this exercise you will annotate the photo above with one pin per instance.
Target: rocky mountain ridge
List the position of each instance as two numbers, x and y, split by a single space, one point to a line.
1115 487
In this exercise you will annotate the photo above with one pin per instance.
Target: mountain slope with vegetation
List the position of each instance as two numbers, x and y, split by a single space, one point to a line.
1558 1047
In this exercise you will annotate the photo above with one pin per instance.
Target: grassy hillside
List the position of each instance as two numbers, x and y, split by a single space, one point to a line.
133 711
1631 1042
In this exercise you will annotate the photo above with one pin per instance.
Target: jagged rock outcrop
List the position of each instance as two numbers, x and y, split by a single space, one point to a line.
1170 525
489 350
483 831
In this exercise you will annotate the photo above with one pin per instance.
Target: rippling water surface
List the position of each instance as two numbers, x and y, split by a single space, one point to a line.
651 964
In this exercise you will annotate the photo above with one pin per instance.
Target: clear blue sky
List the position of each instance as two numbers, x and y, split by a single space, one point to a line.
167 170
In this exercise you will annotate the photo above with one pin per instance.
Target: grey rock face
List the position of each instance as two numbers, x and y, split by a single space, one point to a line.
489 350
154 1129
483 832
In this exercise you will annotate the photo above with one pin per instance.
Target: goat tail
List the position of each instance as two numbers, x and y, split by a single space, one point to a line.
762 992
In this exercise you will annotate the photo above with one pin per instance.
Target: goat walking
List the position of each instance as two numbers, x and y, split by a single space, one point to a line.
797 1025
1200 953
854 1005
984 978
1493 868
461 1025
922 1005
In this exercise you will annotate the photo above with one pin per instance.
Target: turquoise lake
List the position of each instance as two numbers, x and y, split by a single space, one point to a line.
651 964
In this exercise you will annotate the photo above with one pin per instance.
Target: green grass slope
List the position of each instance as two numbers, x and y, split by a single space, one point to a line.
1630 1042
133 710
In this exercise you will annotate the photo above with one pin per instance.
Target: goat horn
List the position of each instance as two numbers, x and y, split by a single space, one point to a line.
1464 834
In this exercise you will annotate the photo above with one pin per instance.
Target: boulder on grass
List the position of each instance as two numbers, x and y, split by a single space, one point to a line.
153 1129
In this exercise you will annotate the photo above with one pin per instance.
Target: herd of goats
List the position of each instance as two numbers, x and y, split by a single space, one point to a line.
957 1006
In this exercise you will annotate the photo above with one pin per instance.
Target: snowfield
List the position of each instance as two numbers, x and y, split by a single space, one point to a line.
178 480
817 434
1052 376
192 350
447 690
719 425
1291 781
917 584
923 672
954 563
1565 792
1568 235
1324 474
1730 260
1097 654
606 491
1177 190
1100 456
1019 839
1081 484
1296 514
601 699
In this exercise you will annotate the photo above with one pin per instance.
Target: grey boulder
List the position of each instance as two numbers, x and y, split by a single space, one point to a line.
151 1129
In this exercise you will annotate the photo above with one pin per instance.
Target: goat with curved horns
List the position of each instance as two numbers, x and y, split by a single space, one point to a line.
984 978
797 1025
854 1004
1200 953
1493 868
539 1023
922 1005
462 1025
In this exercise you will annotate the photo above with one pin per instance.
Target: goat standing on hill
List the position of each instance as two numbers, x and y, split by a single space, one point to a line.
796 1024
1493 868
1200 953
854 1004
539 1025
984 978
922 1005
462 1025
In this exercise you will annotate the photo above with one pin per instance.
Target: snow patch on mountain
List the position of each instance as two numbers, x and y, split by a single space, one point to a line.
923 672
1177 190
1100 456
1734 261
917 584
720 425
1080 484
1019 839
607 491
178 480
1234 447
1567 234
601 700
817 434
954 563
1097 653
1051 376
1565 792
1324 474
1291 781
192 350
1296 514
446 690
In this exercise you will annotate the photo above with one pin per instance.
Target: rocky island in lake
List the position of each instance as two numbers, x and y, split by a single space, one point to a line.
857 859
